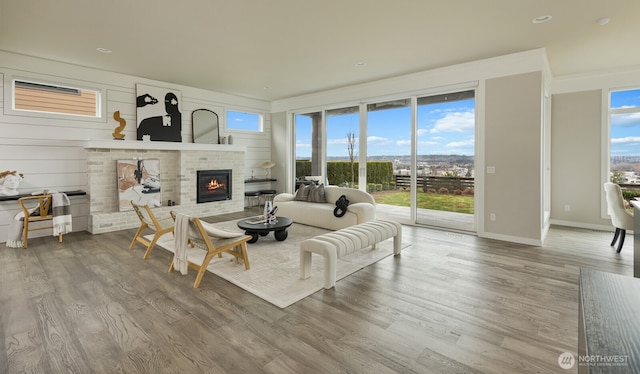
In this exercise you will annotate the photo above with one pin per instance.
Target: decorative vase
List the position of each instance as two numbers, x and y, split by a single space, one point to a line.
267 208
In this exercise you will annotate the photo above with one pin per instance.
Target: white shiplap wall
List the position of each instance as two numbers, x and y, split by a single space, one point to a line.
48 149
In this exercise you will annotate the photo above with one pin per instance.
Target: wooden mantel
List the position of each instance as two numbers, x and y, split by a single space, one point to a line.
161 146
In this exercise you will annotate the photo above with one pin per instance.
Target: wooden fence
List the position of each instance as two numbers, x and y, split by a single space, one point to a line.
436 183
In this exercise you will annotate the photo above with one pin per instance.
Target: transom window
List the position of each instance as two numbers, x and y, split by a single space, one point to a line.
244 121
43 97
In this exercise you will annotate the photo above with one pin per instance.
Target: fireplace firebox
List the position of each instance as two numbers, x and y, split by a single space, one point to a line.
213 185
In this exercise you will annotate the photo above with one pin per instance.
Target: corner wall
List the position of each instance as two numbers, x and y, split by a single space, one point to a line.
513 147
576 148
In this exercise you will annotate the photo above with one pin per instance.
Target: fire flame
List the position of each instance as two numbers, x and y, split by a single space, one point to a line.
214 185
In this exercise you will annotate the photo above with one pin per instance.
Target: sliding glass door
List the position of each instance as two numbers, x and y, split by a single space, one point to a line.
415 155
389 157
343 126
445 160
308 146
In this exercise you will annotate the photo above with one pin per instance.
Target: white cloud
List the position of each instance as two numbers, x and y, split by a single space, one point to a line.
427 143
626 120
455 122
376 139
463 143
625 140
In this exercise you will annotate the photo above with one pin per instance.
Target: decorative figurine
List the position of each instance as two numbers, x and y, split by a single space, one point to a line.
117 133
10 181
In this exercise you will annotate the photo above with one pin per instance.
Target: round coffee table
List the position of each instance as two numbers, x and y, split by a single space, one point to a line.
256 230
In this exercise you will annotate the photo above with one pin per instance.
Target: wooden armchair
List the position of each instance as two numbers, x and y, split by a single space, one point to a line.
206 241
149 221
42 212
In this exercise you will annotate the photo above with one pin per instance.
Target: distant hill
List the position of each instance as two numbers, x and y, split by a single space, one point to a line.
433 159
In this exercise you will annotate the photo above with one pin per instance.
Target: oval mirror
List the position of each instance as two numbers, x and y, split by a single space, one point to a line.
204 124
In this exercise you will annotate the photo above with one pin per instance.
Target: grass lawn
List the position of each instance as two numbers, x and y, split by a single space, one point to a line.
449 203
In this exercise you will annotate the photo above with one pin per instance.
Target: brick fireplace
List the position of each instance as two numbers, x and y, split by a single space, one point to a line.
179 163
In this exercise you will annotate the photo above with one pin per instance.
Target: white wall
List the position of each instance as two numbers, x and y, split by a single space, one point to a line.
49 149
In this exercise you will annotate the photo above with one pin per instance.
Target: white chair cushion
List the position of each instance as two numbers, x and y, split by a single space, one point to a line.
215 231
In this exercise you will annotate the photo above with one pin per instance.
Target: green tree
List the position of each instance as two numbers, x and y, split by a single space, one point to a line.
351 146
616 177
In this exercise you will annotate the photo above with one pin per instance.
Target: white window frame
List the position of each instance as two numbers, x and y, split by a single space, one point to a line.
236 110
9 108
606 138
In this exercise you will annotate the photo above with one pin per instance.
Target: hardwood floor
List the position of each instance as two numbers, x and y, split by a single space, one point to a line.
451 303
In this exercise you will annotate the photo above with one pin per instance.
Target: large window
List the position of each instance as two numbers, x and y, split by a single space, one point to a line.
308 144
42 97
445 165
624 147
415 155
343 127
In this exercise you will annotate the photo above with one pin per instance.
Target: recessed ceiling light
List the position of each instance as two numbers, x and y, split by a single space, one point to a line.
103 50
603 21
361 64
542 19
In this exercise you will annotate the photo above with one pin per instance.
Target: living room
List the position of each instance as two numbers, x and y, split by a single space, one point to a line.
30 139
563 129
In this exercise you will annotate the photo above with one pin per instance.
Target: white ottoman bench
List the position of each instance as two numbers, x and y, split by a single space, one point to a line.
345 241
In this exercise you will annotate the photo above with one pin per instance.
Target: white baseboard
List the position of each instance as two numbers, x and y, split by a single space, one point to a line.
582 225
512 239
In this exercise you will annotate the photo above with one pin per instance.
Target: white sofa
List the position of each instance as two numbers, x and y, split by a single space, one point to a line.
361 208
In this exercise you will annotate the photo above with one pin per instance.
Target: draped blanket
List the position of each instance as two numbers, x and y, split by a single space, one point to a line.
181 240
61 208
14 236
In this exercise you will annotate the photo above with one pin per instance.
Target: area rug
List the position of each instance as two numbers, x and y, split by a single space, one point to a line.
275 266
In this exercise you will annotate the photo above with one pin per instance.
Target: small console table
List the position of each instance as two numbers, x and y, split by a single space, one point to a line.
259 180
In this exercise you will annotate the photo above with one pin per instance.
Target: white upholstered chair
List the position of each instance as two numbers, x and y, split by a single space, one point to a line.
621 219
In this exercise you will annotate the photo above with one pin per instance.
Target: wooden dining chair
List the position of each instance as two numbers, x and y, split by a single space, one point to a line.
205 241
148 221
40 213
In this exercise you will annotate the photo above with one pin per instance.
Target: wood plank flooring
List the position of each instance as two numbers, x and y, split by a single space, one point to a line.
451 303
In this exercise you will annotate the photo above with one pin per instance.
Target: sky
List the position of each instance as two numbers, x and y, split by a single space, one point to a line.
625 127
443 128
448 128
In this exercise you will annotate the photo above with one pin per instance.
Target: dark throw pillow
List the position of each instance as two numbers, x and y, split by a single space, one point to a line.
302 194
316 194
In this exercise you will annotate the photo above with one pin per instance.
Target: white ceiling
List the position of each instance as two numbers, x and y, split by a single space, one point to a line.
296 47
